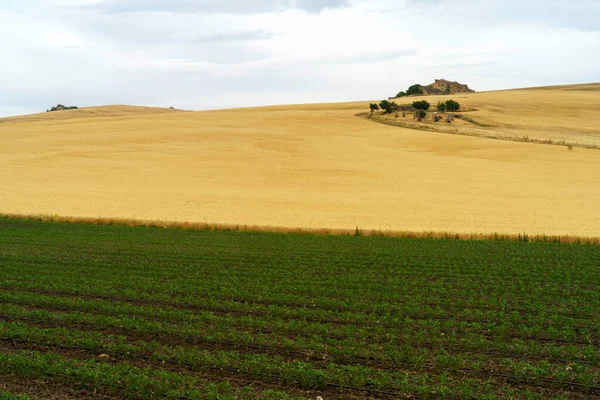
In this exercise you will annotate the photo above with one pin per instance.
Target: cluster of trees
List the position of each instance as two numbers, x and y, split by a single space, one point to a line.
61 107
448 105
421 108
386 106
411 91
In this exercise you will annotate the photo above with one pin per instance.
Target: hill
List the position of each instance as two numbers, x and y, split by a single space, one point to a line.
314 166
558 114
90 112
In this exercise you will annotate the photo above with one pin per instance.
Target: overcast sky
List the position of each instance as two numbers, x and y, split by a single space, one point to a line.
202 54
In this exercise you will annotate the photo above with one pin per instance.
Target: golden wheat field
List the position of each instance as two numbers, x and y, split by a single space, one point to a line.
315 166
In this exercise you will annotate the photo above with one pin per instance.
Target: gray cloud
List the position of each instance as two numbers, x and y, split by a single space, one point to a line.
215 6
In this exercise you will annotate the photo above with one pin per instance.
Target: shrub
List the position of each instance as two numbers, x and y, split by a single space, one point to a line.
441 107
421 105
421 114
452 105
401 94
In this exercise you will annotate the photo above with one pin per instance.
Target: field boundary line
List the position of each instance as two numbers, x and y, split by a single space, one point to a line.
205 226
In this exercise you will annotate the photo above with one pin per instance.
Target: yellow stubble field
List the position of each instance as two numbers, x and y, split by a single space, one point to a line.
314 166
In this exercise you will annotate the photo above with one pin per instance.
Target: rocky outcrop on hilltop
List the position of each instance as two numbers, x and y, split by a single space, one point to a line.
442 86
60 107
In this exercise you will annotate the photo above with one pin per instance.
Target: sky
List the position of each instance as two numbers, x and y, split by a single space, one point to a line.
207 54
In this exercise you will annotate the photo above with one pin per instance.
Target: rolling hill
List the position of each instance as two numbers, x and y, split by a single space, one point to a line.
315 166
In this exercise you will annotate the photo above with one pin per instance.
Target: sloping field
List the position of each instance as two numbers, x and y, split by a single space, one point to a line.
313 166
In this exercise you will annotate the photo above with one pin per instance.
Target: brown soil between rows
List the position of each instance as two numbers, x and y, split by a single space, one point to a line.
48 390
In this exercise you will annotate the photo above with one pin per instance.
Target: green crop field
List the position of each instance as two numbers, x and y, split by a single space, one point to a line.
92 311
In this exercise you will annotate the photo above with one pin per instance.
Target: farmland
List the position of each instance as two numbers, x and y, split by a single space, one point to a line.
93 311
316 166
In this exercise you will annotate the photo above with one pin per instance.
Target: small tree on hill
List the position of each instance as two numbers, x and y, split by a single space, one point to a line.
452 105
441 107
421 114
374 107
401 94
388 106
414 90
421 105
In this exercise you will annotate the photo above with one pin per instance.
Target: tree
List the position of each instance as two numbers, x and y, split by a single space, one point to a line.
401 94
421 105
374 107
421 114
414 90
441 107
452 105
387 106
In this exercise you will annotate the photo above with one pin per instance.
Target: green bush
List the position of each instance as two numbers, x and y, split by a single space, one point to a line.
421 114
452 105
441 106
421 105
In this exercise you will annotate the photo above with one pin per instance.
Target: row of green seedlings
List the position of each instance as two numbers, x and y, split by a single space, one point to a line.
125 380
442 336
461 337
329 350
295 373
558 327
462 306
383 314
214 289
138 260
170 256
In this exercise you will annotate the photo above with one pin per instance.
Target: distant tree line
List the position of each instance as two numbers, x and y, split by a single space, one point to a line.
60 107
420 107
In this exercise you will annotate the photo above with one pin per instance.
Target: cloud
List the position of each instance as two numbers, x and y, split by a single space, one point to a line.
214 7
239 36
581 15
